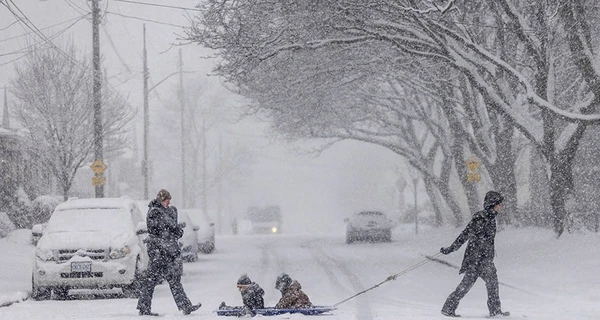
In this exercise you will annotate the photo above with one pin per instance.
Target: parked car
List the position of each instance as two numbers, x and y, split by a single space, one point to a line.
206 229
36 232
189 241
369 225
92 244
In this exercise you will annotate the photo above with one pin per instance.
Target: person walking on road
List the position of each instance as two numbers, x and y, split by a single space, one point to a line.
164 254
478 261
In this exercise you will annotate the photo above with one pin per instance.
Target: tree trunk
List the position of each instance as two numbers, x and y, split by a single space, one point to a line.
454 207
558 193
503 172
540 209
435 202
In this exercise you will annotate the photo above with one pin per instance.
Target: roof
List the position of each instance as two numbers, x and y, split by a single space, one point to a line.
96 203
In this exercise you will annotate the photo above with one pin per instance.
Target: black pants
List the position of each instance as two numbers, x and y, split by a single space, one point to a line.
162 268
488 274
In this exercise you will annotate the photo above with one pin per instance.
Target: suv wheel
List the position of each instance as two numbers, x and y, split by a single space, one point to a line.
61 293
206 247
132 290
39 293
350 237
387 236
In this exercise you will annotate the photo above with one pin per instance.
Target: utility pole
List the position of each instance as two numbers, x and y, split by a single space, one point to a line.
145 163
98 166
182 104
220 217
415 185
5 118
109 188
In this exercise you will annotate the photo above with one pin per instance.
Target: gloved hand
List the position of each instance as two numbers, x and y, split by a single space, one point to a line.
446 250
392 277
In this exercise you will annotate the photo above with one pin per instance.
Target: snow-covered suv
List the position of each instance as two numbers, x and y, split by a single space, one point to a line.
90 243
369 225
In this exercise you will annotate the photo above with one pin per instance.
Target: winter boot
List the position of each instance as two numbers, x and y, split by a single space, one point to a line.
148 313
450 314
191 308
499 314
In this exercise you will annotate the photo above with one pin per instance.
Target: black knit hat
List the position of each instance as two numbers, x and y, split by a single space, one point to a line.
244 280
491 199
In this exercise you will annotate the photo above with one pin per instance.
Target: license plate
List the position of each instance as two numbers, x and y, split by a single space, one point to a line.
81 267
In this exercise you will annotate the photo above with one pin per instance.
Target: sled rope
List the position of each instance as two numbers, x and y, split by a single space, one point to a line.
392 277
446 263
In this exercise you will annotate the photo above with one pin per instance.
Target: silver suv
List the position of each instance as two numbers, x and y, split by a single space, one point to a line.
369 225
91 244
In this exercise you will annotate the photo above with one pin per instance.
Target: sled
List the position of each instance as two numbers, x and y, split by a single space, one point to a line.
271 311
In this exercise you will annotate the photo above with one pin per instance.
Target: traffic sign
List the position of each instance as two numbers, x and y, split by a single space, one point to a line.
473 163
98 181
98 167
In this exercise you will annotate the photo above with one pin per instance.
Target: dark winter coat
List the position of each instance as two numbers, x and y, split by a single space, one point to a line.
253 297
293 298
163 231
480 232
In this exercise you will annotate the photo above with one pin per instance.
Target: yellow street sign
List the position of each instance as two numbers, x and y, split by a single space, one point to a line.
473 176
98 167
473 163
98 181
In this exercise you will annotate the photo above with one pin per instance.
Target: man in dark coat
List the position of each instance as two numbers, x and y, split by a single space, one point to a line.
478 261
292 296
165 255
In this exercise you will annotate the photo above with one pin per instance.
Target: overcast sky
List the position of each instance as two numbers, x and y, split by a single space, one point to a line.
314 192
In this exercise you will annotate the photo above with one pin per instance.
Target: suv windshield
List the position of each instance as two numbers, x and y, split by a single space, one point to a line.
113 221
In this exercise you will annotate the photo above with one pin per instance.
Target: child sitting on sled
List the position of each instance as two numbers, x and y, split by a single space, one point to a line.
292 296
252 295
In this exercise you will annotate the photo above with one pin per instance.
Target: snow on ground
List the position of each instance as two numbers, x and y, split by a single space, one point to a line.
543 277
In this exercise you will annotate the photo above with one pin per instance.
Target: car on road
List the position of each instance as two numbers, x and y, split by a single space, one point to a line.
90 244
266 219
369 225
189 241
205 229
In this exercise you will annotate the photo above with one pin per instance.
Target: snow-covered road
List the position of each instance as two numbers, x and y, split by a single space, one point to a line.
545 278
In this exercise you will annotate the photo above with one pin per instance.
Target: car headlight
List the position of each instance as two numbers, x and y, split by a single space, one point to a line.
44 255
117 253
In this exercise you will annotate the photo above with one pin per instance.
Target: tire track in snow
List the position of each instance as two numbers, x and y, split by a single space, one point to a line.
329 263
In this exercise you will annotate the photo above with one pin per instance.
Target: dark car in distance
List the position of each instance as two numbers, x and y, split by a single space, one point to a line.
369 225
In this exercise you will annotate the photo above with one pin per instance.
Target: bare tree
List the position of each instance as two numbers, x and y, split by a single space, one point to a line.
54 93
516 56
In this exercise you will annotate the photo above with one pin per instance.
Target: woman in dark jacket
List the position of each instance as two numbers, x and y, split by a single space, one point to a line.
164 254
478 261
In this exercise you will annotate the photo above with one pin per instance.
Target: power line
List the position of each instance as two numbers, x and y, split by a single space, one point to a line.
48 27
10 25
75 7
143 19
28 50
159 5
29 24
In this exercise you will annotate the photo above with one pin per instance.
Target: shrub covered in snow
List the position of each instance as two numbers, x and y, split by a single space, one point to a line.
27 213
6 225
